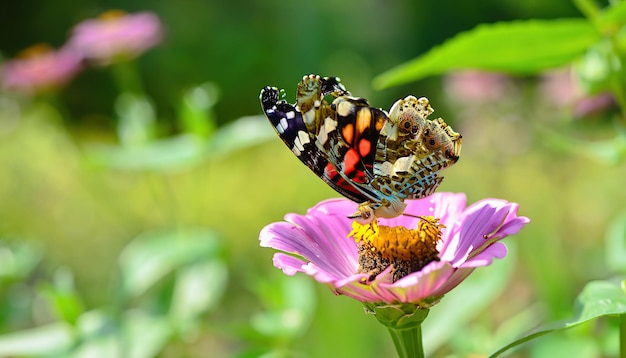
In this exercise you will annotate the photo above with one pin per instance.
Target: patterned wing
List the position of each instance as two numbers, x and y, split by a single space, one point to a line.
412 150
349 138
300 137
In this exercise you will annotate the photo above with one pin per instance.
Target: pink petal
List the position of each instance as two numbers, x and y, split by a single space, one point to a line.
420 285
289 264
458 276
485 258
479 221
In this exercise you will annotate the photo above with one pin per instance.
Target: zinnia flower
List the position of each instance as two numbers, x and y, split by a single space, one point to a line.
116 35
469 237
40 68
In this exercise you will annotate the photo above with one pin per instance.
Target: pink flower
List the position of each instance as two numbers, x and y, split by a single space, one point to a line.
40 68
476 86
116 35
470 239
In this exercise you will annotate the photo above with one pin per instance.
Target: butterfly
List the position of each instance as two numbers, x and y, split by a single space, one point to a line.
372 157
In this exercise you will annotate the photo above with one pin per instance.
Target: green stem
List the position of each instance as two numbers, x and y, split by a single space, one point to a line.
622 335
404 322
408 341
617 85
127 77
591 11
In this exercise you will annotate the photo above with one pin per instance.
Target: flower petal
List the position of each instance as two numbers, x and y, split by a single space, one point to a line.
318 236
485 258
420 285
289 264
479 222
458 276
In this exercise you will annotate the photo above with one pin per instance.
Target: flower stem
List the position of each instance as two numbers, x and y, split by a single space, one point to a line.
408 341
404 322
127 77
622 335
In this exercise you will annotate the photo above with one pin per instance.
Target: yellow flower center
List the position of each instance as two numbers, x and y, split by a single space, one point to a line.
112 15
35 51
407 250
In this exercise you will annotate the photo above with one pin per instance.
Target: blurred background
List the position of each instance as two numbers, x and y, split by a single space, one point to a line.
146 231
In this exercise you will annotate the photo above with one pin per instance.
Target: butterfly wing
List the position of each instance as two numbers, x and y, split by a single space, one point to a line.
289 124
349 137
412 150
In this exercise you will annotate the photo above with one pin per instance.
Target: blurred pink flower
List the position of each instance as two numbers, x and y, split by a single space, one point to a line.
116 35
562 89
559 88
476 86
590 105
40 68
471 238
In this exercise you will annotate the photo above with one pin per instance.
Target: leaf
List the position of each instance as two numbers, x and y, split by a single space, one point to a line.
134 334
290 303
18 260
66 302
520 47
598 299
39 341
164 154
614 17
198 288
242 133
152 256
185 150
146 335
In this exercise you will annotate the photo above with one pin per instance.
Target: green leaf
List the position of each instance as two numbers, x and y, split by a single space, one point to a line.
598 299
134 334
290 302
242 133
63 297
613 17
183 151
18 260
165 154
198 288
520 47
40 341
152 256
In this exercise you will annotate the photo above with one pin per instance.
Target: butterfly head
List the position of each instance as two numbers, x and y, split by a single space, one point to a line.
368 212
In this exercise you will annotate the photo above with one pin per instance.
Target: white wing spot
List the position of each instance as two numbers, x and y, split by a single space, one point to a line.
300 141
291 115
282 125
304 137
296 151
329 126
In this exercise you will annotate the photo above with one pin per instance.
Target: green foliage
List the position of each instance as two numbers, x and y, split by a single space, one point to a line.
598 299
186 267
521 47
